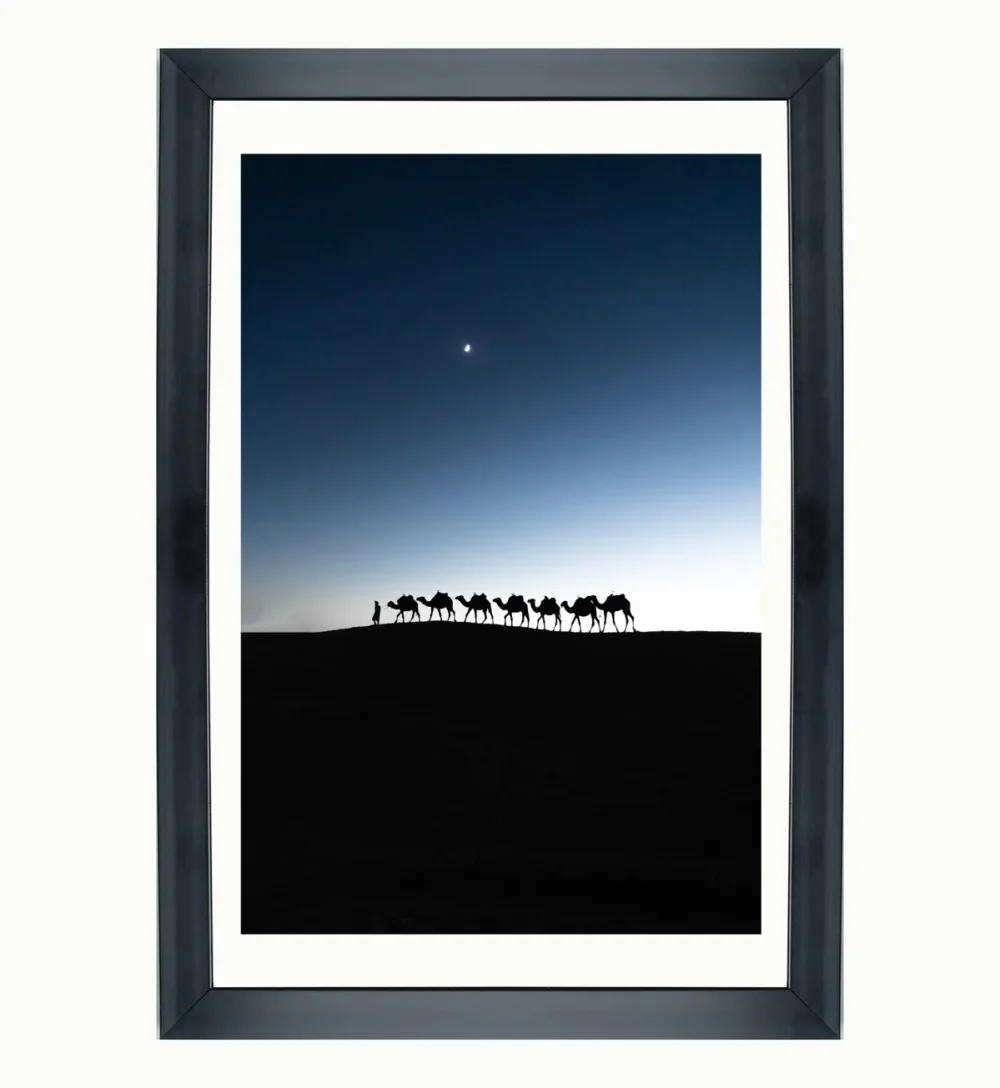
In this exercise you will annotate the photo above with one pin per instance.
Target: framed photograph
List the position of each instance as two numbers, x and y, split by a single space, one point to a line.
499 500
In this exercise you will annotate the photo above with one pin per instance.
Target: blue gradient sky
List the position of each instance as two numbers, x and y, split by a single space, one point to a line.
603 434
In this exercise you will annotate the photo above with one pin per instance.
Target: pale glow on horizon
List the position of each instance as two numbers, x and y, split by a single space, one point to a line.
689 587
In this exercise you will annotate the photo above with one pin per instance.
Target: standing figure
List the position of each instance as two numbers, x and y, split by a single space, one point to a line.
376 613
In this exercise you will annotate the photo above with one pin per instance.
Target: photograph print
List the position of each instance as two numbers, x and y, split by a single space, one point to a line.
501 527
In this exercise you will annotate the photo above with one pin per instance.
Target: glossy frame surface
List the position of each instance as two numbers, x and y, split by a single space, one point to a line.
190 80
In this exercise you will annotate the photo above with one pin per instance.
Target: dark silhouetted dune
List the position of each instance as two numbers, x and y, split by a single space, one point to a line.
447 777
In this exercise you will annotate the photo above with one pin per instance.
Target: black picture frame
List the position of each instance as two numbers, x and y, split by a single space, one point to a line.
190 1006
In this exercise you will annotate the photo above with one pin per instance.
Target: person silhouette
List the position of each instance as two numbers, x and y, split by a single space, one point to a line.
376 613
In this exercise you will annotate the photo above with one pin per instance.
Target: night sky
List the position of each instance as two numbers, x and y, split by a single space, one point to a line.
602 435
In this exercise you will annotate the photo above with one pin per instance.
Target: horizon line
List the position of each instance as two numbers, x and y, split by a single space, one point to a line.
504 626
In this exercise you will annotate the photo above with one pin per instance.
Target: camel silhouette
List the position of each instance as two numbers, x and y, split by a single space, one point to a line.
515 604
615 602
405 604
377 614
479 602
439 603
548 607
583 606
